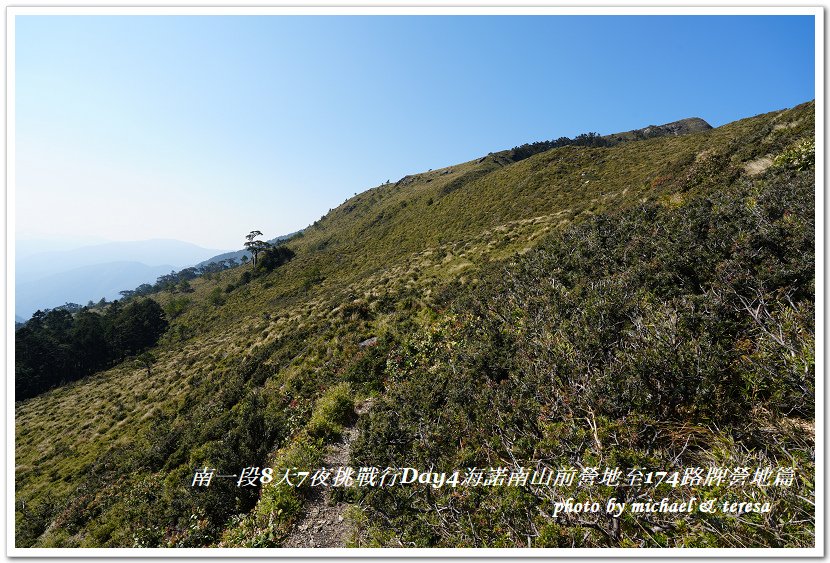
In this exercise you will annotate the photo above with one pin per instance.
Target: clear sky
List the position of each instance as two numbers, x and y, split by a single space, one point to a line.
202 128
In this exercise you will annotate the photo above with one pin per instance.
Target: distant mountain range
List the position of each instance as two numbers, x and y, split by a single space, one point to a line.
27 246
83 284
47 279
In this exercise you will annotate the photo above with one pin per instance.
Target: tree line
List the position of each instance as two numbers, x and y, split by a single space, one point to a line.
583 140
590 139
71 341
265 257
58 346
180 281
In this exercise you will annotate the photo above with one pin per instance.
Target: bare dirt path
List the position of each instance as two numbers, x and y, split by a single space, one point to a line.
324 523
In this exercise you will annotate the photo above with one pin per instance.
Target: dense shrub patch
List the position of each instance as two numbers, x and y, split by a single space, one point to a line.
625 327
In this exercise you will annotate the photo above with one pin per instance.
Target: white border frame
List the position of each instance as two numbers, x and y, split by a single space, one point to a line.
464 7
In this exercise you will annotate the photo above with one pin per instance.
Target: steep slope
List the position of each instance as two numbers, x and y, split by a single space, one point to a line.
459 202
266 373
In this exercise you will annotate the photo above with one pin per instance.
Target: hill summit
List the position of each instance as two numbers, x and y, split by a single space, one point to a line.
675 128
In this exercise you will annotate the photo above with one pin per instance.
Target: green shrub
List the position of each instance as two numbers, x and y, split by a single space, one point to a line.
216 297
332 411
800 156
279 504
177 306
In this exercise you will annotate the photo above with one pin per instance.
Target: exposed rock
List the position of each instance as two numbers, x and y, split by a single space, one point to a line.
675 128
369 342
755 167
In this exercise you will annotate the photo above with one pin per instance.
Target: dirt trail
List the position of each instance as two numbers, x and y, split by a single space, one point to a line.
324 523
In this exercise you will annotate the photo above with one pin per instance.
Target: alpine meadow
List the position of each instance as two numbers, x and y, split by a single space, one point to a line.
642 300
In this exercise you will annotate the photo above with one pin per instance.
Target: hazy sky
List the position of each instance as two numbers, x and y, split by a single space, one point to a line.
202 128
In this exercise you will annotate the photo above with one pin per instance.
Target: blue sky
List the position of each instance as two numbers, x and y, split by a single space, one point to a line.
202 128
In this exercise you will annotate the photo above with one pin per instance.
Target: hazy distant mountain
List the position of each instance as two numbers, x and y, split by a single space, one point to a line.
51 278
150 252
26 246
83 284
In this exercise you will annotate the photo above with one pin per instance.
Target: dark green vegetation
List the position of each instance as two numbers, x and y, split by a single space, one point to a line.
646 304
56 347
681 127
67 343
655 327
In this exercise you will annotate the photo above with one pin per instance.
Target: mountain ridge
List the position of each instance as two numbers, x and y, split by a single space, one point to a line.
51 278
685 126
83 284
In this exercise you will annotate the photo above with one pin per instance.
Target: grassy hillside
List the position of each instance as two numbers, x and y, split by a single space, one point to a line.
646 304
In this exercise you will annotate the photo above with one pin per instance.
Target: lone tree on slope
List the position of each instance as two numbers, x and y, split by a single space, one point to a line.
255 246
